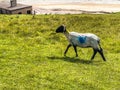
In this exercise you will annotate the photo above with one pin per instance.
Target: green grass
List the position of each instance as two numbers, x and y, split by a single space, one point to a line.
31 53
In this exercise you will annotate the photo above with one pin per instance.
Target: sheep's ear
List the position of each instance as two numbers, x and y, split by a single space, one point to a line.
64 28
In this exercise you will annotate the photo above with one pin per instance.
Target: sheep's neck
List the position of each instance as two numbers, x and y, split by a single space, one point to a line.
66 34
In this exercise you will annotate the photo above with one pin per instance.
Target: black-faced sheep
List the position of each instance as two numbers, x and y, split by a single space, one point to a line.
83 40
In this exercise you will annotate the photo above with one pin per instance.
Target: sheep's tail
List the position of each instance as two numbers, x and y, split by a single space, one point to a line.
99 45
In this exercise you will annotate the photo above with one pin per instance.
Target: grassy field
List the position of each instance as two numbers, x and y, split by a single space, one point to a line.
31 53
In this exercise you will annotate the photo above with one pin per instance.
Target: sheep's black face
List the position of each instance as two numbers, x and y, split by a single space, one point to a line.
60 29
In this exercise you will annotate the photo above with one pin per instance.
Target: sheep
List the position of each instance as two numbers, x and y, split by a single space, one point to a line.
83 40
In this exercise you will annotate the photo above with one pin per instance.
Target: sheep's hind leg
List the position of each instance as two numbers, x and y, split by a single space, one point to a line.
94 53
67 49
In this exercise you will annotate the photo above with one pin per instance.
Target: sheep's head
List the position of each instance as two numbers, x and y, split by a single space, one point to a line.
61 29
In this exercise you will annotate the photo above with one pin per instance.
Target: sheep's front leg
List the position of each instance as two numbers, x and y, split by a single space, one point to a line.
75 48
67 49
101 53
